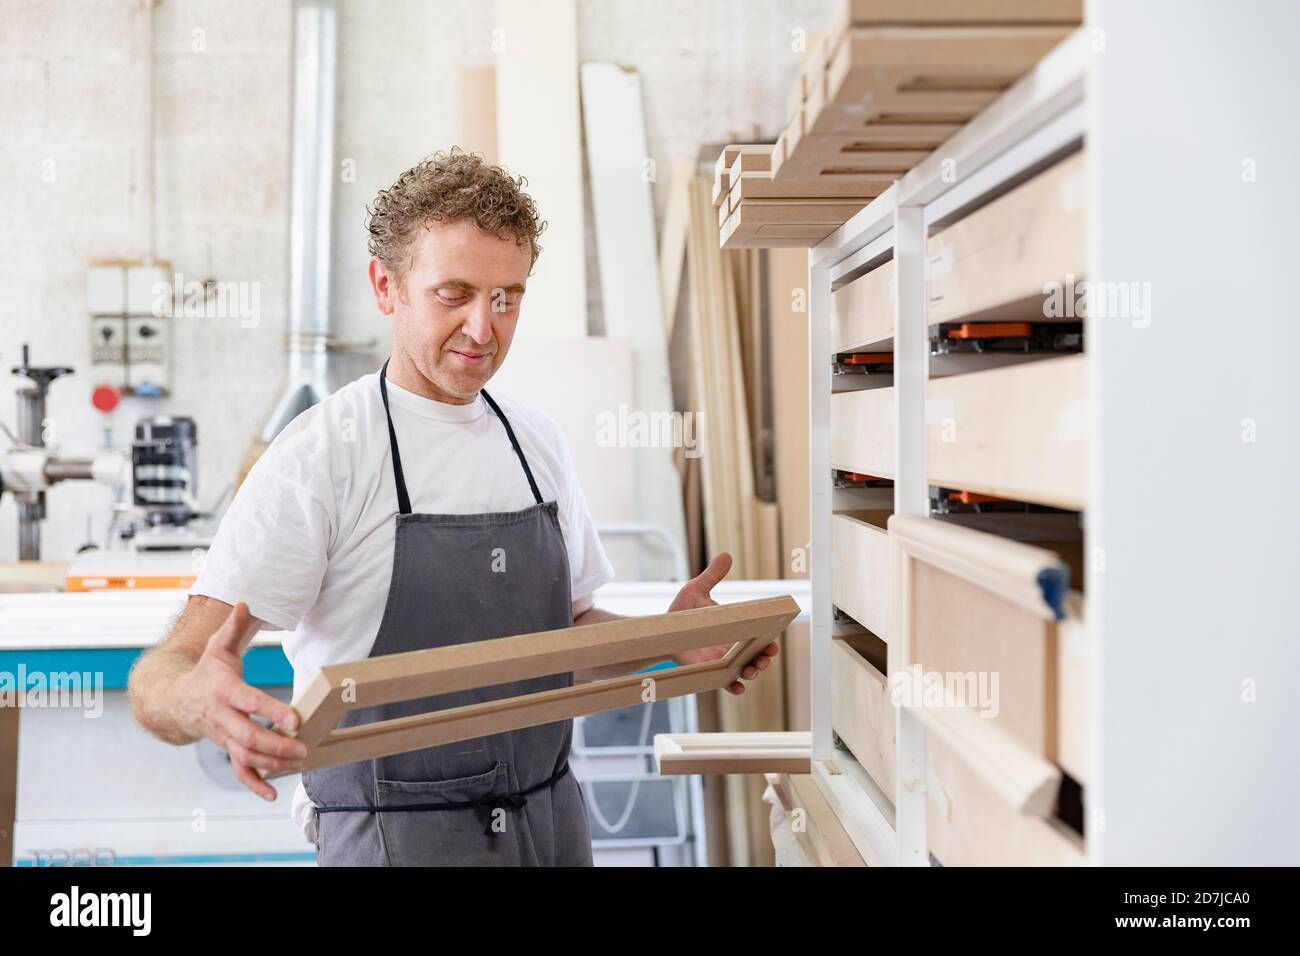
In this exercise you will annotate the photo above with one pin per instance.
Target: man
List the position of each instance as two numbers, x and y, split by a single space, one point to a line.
409 510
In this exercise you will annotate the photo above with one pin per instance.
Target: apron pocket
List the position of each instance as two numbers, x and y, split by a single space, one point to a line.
454 836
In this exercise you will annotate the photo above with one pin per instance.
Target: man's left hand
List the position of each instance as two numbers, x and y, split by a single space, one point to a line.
695 593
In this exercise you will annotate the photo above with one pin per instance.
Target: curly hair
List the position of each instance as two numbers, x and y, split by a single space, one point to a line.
448 187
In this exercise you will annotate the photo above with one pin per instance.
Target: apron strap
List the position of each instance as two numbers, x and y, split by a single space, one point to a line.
514 443
403 498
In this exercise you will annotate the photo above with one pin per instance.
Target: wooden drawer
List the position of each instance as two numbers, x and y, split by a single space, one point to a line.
994 263
1017 432
861 710
862 568
862 431
862 313
982 612
968 823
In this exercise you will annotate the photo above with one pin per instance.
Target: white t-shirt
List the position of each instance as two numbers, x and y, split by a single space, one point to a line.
307 542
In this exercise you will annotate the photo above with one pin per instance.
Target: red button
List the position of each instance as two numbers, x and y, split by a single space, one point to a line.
104 398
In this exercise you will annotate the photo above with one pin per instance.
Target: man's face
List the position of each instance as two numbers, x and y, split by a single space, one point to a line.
454 311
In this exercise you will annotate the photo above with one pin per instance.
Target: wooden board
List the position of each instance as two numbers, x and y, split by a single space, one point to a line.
672 242
949 12
762 186
539 136
862 432
862 568
739 234
1018 432
478 111
748 626
862 713
760 752
862 312
1002 260
912 75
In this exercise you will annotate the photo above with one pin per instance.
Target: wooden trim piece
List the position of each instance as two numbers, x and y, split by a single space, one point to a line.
751 159
774 752
1021 256
1016 432
762 186
748 626
1009 569
1026 783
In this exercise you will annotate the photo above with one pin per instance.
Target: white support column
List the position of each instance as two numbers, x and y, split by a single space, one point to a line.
911 359
820 503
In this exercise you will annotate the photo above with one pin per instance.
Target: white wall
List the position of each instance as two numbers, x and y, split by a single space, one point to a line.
1199 447
71 92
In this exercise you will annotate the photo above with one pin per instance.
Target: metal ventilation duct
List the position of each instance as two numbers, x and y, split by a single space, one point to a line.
312 350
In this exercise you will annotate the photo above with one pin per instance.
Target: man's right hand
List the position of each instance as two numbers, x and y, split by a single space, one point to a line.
213 701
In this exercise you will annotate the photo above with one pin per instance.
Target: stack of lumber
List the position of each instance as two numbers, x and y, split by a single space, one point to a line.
885 85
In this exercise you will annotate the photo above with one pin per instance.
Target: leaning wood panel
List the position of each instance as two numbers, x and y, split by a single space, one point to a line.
1017 432
968 823
862 713
862 312
759 752
1019 257
862 568
862 432
747 626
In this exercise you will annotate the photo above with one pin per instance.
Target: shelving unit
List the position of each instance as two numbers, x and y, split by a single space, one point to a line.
929 608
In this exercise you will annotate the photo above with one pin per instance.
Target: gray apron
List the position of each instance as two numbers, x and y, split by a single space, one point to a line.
504 800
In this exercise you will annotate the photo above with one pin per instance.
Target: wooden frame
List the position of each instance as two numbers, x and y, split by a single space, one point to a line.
774 752
968 600
748 626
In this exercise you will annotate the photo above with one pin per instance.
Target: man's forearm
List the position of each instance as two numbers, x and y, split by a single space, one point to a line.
149 690
596 615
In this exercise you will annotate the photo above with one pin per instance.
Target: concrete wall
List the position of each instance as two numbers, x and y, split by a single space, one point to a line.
72 128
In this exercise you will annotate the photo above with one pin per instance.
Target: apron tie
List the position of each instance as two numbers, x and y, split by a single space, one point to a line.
484 806
487 807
